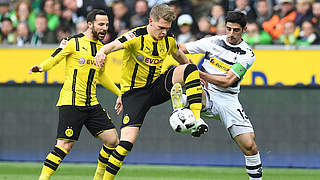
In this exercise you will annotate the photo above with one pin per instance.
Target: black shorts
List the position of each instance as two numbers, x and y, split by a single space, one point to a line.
137 102
72 118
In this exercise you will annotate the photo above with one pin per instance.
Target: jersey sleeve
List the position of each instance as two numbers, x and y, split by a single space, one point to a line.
106 81
199 46
66 47
240 68
174 47
127 39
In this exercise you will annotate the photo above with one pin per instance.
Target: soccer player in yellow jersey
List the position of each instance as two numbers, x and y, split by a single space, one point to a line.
78 104
142 83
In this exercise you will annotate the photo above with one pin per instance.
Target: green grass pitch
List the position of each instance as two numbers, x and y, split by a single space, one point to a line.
82 171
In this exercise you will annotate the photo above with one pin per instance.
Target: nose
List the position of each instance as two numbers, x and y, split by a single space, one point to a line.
231 32
164 31
105 28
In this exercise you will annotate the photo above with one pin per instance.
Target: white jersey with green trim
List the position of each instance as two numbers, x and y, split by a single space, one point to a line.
221 57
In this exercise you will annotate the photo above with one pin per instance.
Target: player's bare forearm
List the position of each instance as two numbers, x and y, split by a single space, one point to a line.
106 49
111 47
180 57
183 48
219 80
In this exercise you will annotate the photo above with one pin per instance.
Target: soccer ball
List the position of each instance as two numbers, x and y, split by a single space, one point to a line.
182 120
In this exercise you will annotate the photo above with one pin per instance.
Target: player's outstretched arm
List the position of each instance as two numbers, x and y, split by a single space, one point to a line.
107 83
180 57
105 50
66 47
35 68
224 81
183 48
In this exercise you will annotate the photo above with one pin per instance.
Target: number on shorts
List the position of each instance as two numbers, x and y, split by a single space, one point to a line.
243 115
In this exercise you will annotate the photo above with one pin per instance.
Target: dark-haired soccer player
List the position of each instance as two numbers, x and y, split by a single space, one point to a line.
78 104
143 85
228 59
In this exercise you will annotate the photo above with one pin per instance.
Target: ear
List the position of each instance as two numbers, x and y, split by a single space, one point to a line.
245 29
90 24
150 21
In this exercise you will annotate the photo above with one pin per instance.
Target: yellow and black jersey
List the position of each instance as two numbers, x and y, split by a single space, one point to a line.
81 73
143 57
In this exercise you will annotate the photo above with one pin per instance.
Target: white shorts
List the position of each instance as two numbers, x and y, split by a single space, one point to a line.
236 130
227 108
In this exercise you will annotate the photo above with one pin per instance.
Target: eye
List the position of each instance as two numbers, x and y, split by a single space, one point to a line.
236 30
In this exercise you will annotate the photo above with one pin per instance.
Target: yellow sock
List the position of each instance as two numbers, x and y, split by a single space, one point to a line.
108 176
99 173
102 162
44 177
52 162
116 159
193 89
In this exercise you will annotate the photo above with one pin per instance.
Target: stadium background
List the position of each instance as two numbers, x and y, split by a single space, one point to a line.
280 96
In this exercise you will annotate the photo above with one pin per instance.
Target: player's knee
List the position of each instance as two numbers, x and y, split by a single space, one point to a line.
66 145
251 148
188 70
113 142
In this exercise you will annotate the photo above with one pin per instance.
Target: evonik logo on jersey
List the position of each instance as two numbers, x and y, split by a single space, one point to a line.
141 58
153 61
83 61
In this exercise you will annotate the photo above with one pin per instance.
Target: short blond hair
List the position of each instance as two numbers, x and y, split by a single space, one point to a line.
162 11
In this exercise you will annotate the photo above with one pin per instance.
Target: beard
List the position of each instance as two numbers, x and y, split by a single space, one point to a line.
96 34
234 40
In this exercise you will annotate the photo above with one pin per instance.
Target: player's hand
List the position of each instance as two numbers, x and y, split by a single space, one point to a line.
118 107
202 74
35 68
99 59
204 83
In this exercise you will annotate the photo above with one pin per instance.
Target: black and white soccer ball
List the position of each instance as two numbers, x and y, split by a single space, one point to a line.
182 120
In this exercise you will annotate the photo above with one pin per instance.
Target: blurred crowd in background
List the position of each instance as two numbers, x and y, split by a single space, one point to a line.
36 22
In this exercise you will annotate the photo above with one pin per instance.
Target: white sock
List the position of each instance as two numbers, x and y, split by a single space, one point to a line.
184 100
254 167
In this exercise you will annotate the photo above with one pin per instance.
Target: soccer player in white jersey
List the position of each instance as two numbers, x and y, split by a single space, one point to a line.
228 58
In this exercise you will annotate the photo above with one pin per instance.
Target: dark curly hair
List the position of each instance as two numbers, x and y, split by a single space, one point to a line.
237 17
92 14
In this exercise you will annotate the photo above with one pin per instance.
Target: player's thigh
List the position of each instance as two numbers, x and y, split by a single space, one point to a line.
178 74
135 106
109 137
98 120
129 133
71 120
241 133
230 110
161 88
